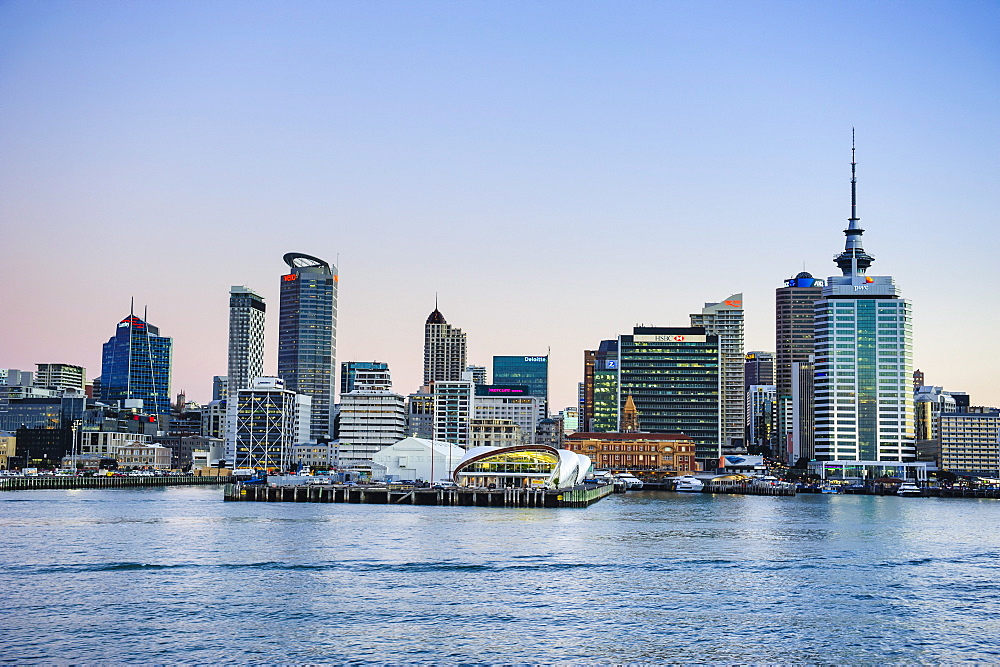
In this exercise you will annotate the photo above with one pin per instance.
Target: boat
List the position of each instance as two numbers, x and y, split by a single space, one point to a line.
631 481
688 484
829 488
908 489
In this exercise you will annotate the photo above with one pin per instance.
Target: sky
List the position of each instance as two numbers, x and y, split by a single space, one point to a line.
555 172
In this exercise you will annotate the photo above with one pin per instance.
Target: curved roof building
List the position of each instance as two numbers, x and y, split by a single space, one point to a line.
523 465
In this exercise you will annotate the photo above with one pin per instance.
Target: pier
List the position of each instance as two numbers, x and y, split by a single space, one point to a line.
30 483
580 496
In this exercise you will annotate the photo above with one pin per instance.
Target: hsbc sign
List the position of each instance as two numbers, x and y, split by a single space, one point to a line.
669 338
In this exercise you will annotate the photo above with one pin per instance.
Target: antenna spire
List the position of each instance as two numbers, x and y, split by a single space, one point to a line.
854 181
854 261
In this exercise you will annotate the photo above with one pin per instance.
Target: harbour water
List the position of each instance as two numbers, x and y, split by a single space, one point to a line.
176 575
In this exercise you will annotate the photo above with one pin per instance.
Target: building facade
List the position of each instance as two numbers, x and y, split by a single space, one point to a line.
61 377
758 368
508 402
672 374
307 335
376 372
864 360
270 420
370 419
666 452
794 341
246 337
453 411
135 367
725 321
762 402
444 350
970 443
526 371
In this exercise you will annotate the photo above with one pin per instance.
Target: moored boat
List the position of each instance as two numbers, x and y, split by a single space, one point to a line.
688 484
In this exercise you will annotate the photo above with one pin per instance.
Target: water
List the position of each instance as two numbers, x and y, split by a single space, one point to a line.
177 575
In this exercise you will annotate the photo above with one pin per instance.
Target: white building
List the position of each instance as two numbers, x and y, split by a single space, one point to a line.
103 444
521 408
864 361
213 419
725 320
138 455
419 459
371 417
453 411
61 377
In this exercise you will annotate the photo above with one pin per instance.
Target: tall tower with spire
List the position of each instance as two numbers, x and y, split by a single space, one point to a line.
864 360
444 349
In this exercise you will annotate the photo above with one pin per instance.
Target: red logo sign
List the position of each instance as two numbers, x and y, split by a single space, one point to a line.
290 277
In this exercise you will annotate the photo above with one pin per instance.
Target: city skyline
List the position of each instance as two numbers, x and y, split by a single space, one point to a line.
556 182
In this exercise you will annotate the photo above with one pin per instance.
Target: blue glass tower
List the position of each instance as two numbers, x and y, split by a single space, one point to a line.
307 335
136 365
532 372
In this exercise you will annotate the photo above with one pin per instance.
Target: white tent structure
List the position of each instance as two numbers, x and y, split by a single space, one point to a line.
419 459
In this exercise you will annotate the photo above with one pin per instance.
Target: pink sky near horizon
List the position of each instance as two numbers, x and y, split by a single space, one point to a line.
557 173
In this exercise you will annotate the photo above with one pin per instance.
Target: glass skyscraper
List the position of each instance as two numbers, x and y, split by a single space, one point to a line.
307 335
864 360
672 375
531 372
136 366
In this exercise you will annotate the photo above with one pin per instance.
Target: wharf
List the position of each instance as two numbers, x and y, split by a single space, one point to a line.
926 492
747 489
579 496
29 483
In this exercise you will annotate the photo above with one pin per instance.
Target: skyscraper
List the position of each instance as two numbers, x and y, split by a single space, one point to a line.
246 337
307 335
444 350
725 320
758 368
532 372
135 366
794 339
864 364
599 404
672 375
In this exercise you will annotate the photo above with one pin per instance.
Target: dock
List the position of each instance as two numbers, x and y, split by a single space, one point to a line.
580 496
31 483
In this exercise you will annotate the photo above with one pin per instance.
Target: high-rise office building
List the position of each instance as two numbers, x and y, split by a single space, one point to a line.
725 320
761 418
794 339
758 368
246 337
444 350
599 401
864 362
672 375
61 377
270 420
528 371
307 335
135 366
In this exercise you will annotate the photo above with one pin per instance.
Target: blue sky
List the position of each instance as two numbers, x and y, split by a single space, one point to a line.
557 171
